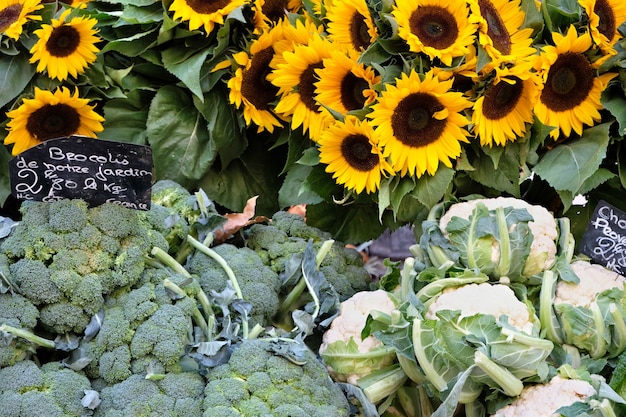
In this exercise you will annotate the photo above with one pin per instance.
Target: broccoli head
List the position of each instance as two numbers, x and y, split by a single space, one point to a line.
50 390
65 257
18 312
175 395
259 284
137 331
255 382
287 236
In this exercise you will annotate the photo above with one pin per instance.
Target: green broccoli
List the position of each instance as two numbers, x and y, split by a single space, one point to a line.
175 395
137 331
51 390
256 382
65 257
259 284
287 236
17 312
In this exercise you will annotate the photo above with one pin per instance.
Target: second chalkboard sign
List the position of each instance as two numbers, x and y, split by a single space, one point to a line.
91 169
604 240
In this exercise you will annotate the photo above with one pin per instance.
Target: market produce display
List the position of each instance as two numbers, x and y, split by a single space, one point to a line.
190 189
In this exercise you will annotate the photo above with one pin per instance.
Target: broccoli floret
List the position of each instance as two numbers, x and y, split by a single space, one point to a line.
164 335
259 284
255 379
287 235
66 257
137 331
18 312
176 395
52 390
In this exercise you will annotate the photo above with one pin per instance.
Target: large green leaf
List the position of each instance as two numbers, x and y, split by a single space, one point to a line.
255 173
15 73
186 66
429 190
223 125
125 119
353 223
179 138
567 166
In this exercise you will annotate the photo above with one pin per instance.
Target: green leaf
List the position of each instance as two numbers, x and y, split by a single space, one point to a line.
141 15
616 105
578 158
292 193
255 173
186 66
598 177
223 126
133 45
15 73
138 3
429 190
179 138
125 119
350 224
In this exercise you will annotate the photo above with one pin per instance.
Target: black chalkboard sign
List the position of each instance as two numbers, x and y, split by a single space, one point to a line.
94 170
604 240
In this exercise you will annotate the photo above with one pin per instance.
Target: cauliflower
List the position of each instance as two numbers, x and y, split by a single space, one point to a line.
588 314
543 228
501 237
543 400
471 299
594 279
347 355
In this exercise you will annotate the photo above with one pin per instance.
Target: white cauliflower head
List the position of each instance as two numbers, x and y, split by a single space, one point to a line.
543 228
346 328
593 279
543 400
485 298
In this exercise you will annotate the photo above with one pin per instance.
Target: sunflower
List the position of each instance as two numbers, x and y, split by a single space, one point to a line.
500 30
48 116
505 109
203 13
296 78
250 87
420 124
570 95
439 28
267 13
350 149
350 24
65 47
15 13
605 17
346 85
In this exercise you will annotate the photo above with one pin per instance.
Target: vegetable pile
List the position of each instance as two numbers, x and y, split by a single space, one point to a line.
106 311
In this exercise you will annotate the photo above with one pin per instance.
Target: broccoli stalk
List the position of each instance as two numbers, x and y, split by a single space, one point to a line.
27 335
204 248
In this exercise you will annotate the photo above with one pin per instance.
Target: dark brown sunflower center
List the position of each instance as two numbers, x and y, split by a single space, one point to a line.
434 26
254 86
607 18
352 88
495 27
413 123
359 32
306 86
357 151
53 121
501 98
63 41
274 10
9 15
569 82
207 7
